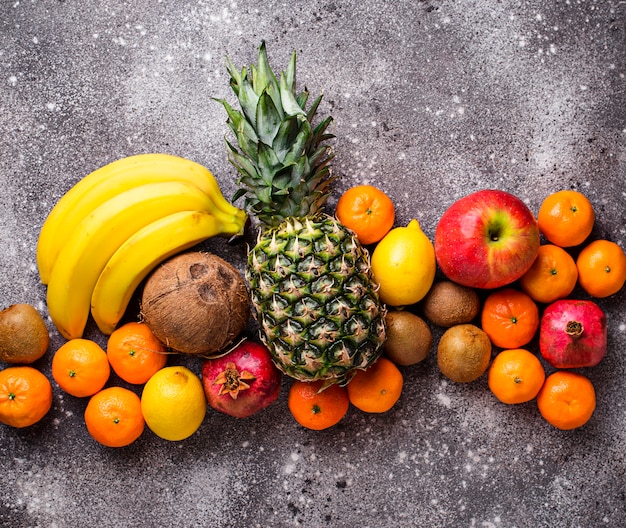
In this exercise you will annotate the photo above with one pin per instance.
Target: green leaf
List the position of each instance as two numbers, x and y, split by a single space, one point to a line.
288 100
299 144
248 99
241 161
290 73
319 132
302 98
248 145
235 76
268 120
240 127
285 136
268 164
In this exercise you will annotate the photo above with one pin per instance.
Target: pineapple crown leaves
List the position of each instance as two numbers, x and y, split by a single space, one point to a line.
282 160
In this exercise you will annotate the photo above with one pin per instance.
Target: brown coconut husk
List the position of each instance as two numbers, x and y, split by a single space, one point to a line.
196 303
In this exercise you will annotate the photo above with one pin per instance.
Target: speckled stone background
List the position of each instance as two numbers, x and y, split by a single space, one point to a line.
432 100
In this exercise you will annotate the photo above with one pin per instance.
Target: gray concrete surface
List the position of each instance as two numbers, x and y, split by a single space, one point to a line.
432 100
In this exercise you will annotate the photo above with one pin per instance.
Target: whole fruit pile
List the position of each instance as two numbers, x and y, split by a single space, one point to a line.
344 305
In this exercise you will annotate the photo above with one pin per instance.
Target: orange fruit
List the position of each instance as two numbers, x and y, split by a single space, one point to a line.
135 353
566 218
516 376
113 417
552 276
377 389
601 268
315 406
25 396
368 211
80 367
567 400
510 318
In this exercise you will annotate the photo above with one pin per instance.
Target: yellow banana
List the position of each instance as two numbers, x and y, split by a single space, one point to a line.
141 253
99 235
106 182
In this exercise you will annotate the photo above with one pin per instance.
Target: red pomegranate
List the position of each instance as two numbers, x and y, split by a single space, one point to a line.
242 382
573 334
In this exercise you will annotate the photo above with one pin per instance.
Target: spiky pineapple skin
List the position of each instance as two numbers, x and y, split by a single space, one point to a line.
314 299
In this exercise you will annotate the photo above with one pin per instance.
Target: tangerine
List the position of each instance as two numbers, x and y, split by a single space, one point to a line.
377 389
552 276
566 218
567 400
135 353
368 211
25 396
516 376
510 318
601 268
113 417
80 367
317 406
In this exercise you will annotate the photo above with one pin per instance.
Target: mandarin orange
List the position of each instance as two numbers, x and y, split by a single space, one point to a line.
80 367
316 406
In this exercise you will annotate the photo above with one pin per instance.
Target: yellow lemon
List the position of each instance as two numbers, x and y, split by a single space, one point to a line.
403 264
173 403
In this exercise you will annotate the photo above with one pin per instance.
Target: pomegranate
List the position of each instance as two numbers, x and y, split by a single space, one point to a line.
573 334
243 381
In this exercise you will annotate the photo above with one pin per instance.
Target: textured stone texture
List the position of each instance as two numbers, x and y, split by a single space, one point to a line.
432 100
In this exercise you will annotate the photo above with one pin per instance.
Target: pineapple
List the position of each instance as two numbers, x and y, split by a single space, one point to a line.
312 292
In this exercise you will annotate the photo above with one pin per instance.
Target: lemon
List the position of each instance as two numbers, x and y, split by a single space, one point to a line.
403 265
173 403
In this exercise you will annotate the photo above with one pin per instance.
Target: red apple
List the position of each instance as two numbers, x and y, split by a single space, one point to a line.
487 239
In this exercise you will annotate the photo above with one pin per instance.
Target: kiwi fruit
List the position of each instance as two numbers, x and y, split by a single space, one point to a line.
24 337
463 353
408 338
448 303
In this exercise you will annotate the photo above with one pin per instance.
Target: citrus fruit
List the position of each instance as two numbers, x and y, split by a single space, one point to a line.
135 353
113 417
510 318
463 353
601 268
25 396
404 265
552 276
408 338
377 389
368 211
24 336
447 304
566 218
316 406
567 399
516 376
173 403
80 367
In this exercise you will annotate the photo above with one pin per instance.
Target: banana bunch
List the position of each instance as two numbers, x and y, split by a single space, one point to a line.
110 230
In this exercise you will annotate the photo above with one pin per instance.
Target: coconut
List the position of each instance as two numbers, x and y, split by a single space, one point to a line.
196 303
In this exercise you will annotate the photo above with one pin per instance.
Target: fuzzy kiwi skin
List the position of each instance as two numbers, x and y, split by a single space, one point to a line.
409 338
24 336
463 353
448 304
